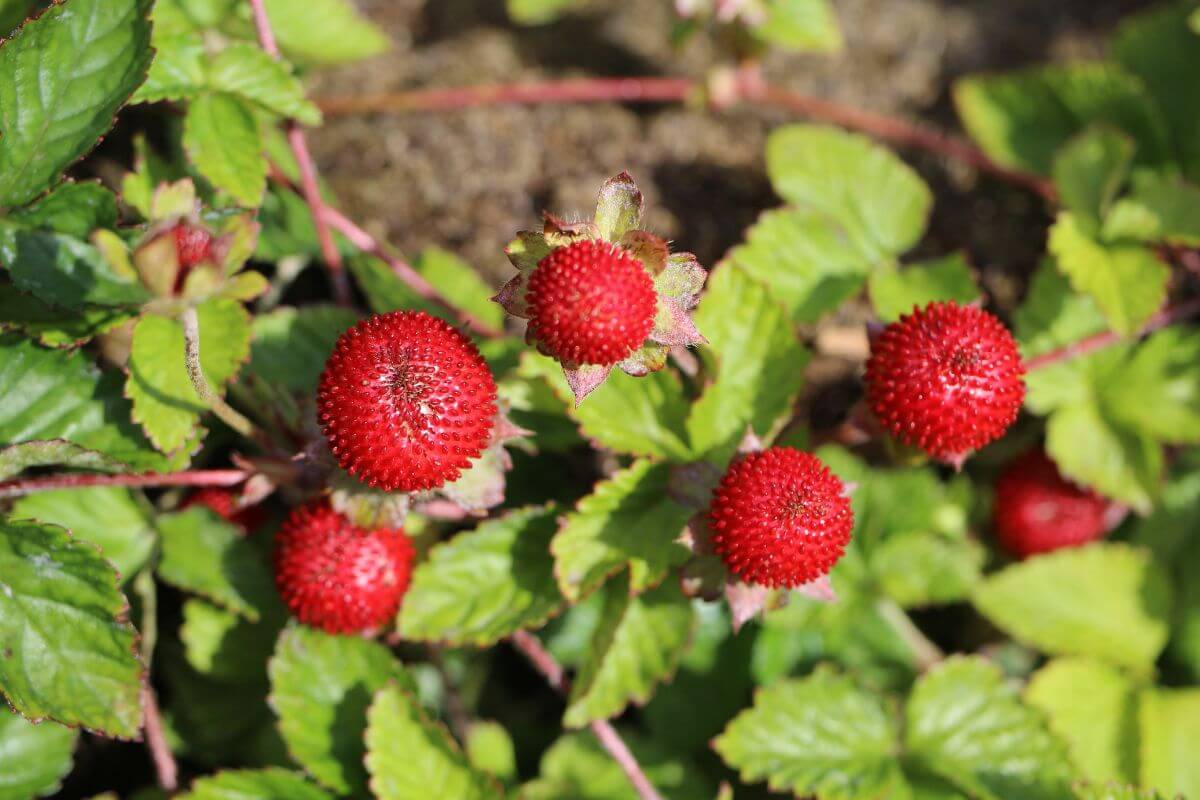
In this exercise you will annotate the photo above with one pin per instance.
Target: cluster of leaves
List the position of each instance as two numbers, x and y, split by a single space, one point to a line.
838 698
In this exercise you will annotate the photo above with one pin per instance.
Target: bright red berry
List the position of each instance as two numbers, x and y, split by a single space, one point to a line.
225 503
590 302
946 379
339 577
780 518
1037 510
193 245
406 401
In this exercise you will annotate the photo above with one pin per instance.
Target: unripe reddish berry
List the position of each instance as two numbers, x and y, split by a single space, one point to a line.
225 503
406 402
193 245
590 302
780 518
1037 510
336 576
946 379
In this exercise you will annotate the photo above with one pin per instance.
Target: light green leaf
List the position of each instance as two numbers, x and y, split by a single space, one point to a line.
179 70
881 202
1127 281
636 646
64 271
411 757
821 735
291 345
1157 391
223 646
1092 451
490 749
920 568
539 12
759 365
483 585
1092 707
245 70
324 32
35 757
321 686
1109 601
966 725
1020 119
164 402
221 137
1112 791
62 78
108 517
1159 209
205 554
1052 315
627 520
1089 171
18 457
896 291
66 651
245 784
455 279
1170 728
802 25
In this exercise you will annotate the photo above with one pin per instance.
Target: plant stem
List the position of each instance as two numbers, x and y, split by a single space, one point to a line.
224 411
609 739
156 739
925 653
308 171
199 477
1164 318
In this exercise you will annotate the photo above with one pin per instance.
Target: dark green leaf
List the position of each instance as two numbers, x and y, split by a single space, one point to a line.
291 345
266 784
1089 171
64 271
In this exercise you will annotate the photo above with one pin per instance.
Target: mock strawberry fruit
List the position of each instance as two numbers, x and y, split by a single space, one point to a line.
337 576
1037 510
406 402
947 379
193 245
590 303
225 503
780 518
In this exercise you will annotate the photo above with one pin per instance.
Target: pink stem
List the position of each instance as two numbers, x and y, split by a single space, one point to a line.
1162 319
156 740
199 477
609 739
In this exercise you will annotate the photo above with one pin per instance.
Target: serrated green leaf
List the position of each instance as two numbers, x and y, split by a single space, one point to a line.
821 736
55 327
1090 450
636 645
108 517
1169 722
801 25
758 365
411 757
179 69
1159 209
324 32
205 554
454 279
321 686
485 584
72 209
291 345
1052 316
244 784
221 137
66 651
64 271
1158 390
829 170
62 77
1092 707
896 291
539 12
35 757
627 520
966 725
18 457
164 402
245 70
918 568
1089 171
223 646
1109 601
1020 119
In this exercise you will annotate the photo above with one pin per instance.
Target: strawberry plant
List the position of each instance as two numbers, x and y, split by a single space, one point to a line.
833 514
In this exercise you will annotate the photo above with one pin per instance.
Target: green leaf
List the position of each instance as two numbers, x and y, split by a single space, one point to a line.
245 70
179 68
62 78
881 202
1170 725
539 12
66 651
1127 281
895 291
323 32
108 517
1109 601
483 585
1021 119
806 259
36 757
54 327
1112 791
223 646
164 402
490 749
221 137
1090 450
55 394
821 735
1157 392
73 209
627 520
759 365
1089 171
1092 707
291 345
454 279
64 271
18 457
411 757
321 686
967 726
1159 209
1052 315
802 25
636 646
205 554
244 784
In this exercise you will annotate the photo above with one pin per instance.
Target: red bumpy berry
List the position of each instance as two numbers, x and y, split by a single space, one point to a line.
336 576
780 518
590 302
1037 510
193 245
946 379
225 503
406 402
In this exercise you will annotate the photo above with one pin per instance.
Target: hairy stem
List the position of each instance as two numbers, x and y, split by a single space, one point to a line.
925 653
198 477
1164 318
216 403
609 739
